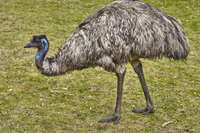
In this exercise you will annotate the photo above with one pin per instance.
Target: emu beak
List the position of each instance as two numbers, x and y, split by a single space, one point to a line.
29 45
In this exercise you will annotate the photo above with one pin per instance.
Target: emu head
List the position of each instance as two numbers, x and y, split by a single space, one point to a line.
39 42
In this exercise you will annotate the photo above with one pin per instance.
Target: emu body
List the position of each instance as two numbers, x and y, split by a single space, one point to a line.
119 33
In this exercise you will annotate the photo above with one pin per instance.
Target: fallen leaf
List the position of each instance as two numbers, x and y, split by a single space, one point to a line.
65 88
166 123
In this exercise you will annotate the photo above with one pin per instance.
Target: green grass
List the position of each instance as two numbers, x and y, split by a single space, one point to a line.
31 102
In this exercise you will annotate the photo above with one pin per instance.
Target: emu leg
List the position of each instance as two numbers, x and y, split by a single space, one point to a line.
137 66
117 114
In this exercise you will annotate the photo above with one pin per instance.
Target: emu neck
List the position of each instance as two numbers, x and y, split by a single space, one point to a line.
39 58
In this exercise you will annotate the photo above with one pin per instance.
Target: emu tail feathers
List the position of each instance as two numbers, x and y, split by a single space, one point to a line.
179 46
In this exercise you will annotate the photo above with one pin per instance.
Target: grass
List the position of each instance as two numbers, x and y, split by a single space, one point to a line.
31 102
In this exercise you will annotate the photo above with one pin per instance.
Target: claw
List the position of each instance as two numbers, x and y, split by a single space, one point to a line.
146 110
113 118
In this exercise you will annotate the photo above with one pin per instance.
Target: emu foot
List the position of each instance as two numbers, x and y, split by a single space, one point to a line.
114 118
145 111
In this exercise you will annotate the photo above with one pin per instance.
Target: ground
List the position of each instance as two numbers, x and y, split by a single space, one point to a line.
31 102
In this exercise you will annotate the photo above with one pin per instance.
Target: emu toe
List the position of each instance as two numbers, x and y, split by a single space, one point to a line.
145 111
113 118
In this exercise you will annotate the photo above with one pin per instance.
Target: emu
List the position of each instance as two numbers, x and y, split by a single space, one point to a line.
121 32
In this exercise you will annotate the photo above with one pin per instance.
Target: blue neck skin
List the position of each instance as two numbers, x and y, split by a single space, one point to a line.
39 58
